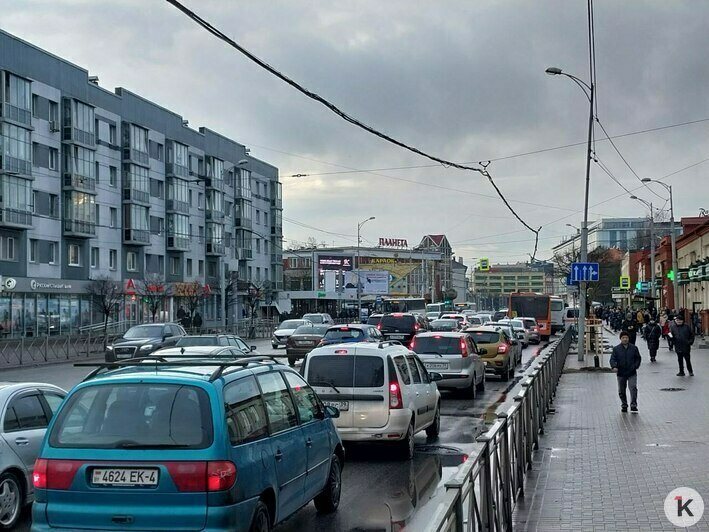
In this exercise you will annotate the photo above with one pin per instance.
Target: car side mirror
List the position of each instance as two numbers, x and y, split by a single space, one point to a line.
252 348
164 337
482 351
332 411
435 377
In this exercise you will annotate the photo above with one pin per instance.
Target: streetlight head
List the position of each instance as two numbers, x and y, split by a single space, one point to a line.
553 71
372 217
633 197
646 180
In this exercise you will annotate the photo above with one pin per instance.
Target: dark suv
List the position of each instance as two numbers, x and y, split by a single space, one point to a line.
401 326
142 340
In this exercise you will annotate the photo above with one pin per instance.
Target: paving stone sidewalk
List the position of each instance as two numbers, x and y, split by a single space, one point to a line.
600 469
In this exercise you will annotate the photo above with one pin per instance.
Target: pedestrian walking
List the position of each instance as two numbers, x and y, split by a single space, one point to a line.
683 338
197 320
625 362
630 326
652 333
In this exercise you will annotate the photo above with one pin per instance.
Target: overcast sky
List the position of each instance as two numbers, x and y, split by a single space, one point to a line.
461 79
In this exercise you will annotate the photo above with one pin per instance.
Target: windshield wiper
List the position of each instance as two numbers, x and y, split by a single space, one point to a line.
324 383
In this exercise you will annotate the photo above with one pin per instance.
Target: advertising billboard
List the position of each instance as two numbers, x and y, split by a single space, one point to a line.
332 263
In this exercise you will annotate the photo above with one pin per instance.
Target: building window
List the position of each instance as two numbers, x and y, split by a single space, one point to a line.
74 254
53 159
139 138
112 175
111 134
80 161
113 221
18 93
200 200
174 266
200 268
131 261
98 211
84 119
189 267
16 149
32 250
7 248
53 111
52 253
16 193
258 245
94 257
112 259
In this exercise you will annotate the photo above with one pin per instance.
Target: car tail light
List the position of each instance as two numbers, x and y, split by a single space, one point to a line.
416 326
379 326
536 329
502 348
220 476
413 343
344 329
395 400
188 476
463 348
341 351
55 474
321 343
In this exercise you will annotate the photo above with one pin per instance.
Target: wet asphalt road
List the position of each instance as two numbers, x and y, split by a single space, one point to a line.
379 492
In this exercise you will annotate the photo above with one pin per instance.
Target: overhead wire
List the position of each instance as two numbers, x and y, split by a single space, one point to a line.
482 169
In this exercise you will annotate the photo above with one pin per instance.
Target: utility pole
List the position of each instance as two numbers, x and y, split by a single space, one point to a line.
359 283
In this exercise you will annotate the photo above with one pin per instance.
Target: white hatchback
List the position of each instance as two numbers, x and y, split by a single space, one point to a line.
383 392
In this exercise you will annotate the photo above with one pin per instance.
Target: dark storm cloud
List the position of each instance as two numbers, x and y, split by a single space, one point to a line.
464 80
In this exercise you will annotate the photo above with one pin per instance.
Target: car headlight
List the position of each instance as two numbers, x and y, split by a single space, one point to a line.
146 347
109 348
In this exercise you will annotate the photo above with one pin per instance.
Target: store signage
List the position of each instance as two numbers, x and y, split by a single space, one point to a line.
334 262
393 243
39 285
699 273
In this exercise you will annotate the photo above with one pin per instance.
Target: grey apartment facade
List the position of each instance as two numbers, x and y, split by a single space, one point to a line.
95 183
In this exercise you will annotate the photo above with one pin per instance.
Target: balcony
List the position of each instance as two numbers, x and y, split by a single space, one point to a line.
177 206
243 223
245 253
79 228
138 237
277 203
14 165
214 183
214 247
277 285
276 229
15 218
216 216
138 196
276 258
131 155
16 114
177 242
79 182
177 170
74 134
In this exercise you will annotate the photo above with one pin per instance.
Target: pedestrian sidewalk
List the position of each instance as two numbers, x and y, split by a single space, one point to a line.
600 469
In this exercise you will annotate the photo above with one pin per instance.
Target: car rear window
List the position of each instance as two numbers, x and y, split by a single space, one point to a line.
188 341
135 416
438 345
373 320
291 324
344 333
529 324
144 331
315 318
484 337
400 322
345 371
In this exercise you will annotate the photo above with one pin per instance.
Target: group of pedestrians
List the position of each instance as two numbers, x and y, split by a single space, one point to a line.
625 359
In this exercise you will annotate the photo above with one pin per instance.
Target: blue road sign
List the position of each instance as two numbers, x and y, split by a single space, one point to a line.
584 271
569 281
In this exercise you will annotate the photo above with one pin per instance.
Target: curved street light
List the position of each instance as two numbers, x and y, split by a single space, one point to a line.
359 285
652 244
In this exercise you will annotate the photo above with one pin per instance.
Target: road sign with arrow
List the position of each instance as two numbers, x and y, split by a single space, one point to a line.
584 272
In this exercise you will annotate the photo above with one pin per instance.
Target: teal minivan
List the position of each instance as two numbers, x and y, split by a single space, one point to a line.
235 445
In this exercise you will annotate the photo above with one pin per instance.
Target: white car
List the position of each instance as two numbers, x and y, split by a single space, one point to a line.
383 392
284 330
521 332
319 318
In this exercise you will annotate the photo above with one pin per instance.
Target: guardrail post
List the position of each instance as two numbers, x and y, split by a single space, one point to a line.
521 436
487 508
46 346
506 471
22 348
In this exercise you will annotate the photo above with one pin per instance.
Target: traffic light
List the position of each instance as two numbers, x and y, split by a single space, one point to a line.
671 275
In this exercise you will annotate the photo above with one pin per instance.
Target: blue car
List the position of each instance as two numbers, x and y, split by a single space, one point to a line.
343 334
234 445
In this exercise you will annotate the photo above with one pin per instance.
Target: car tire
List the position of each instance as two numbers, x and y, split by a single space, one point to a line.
481 386
406 446
469 392
11 499
291 361
261 521
434 428
329 498
505 375
274 346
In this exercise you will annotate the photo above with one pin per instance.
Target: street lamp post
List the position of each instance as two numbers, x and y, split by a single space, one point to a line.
359 285
554 71
675 280
652 245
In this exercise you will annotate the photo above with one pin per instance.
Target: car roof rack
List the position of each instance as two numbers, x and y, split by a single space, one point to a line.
190 361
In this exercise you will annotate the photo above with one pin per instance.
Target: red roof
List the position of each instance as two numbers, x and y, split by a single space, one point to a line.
437 239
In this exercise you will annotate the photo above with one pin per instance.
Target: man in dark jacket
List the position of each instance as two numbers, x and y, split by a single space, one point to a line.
630 326
652 333
625 361
683 338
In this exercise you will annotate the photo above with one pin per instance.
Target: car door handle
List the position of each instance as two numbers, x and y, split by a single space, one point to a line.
279 455
22 441
308 442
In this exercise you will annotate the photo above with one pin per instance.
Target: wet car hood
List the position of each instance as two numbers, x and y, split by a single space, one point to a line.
125 342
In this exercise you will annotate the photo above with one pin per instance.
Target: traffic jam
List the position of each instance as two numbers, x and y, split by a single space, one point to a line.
206 433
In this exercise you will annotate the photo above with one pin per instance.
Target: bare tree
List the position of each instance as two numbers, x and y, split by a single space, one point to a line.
254 298
191 294
106 296
153 291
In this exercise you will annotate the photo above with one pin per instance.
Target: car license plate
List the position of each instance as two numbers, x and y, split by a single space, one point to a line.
435 365
340 405
301 342
124 477
397 336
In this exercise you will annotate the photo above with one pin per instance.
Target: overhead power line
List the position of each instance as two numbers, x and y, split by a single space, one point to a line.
482 169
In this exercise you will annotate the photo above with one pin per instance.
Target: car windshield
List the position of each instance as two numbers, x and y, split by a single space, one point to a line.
444 325
188 341
485 337
344 333
373 320
517 324
135 416
315 318
346 371
433 315
402 322
475 320
144 331
438 345
529 324
312 329
291 324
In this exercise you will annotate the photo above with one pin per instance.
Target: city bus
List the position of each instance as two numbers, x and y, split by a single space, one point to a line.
439 307
404 304
532 305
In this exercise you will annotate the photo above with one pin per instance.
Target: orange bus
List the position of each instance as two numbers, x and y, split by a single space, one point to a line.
532 305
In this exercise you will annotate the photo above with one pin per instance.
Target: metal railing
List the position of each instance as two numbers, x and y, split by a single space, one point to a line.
245 328
482 495
47 349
